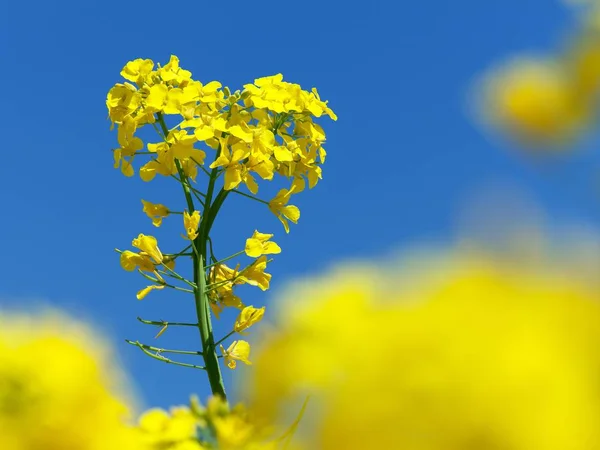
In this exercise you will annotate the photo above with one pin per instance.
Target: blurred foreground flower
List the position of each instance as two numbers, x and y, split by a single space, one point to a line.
547 101
57 391
534 100
463 352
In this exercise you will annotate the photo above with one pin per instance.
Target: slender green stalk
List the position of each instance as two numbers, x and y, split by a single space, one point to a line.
162 323
250 196
163 359
225 259
163 350
231 333
201 300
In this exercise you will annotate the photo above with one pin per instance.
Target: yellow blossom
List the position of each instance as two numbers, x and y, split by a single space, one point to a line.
59 388
237 351
156 212
130 261
121 101
162 429
231 161
459 351
142 293
248 317
191 223
137 70
259 244
284 212
255 274
149 246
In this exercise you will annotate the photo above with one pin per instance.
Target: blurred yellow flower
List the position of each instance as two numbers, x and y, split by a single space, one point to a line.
57 388
176 430
534 100
470 352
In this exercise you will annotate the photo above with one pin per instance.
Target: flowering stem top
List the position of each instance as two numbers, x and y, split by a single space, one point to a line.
266 129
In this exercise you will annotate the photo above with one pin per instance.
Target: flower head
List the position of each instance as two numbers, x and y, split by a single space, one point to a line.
191 223
149 246
248 317
284 212
259 244
156 212
237 351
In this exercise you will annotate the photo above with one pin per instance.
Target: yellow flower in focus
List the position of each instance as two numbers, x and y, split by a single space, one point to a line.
259 244
470 352
149 246
142 293
156 212
191 223
255 275
284 212
248 317
534 100
237 351
57 388
130 261
121 101
137 70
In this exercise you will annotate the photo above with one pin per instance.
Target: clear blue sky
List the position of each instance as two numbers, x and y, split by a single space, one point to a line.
403 157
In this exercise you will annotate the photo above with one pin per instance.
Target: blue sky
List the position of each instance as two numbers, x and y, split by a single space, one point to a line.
403 158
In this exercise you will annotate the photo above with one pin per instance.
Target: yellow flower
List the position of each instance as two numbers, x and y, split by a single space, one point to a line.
121 101
259 244
231 161
282 210
156 212
535 101
163 430
59 388
130 261
149 246
172 73
191 223
237 351
248 317
456 352
255 274
142 293
137 70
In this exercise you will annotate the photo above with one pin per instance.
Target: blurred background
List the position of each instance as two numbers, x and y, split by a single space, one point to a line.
411 160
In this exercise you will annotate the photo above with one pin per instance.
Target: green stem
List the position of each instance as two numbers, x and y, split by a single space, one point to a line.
201 301
250 196
163 359
231 333
162 323
163 350
226 259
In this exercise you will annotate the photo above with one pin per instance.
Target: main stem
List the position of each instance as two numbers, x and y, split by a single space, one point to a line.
201 300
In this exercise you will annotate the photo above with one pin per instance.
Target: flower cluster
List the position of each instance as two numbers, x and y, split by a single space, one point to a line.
265 129
233 139
547 100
